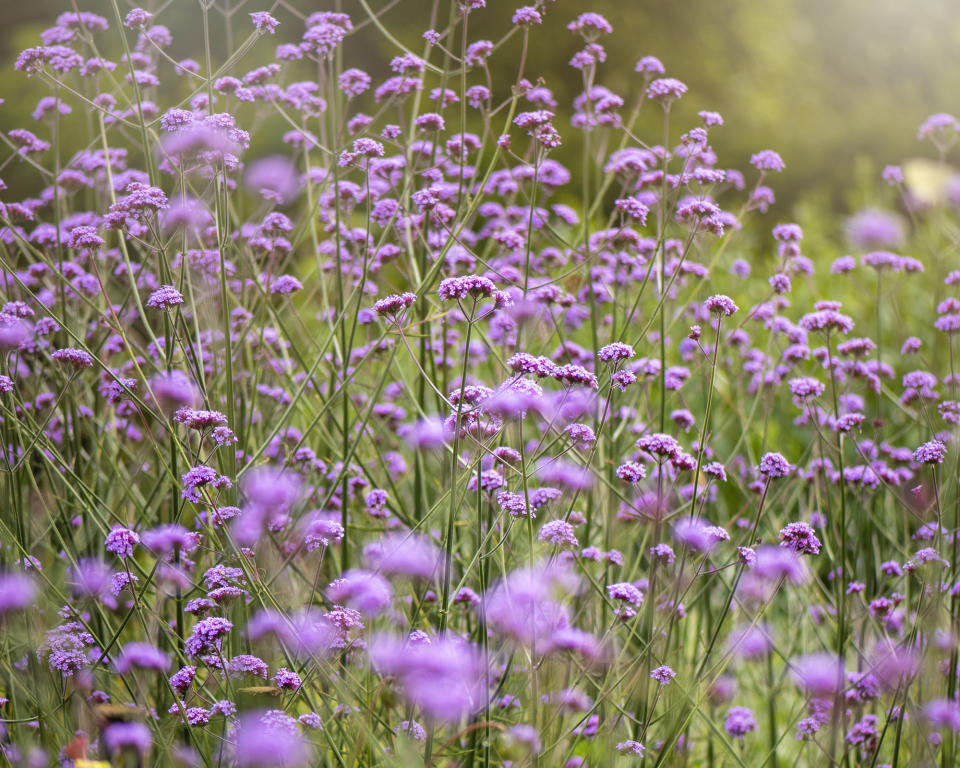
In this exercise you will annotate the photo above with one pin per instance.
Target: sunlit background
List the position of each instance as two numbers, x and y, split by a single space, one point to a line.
838 87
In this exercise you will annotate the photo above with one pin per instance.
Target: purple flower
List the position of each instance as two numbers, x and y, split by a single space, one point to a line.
720 305
78 358
468 285
132 736
90 578
870 229
199 420
207 635
269 740
284 285
751 642
911 345
182 679
827 318
774 465
445 678
165 297
394 305
663 674
631 472
406 554
820 674
938 128
121 541
173 390
739 722
666 90
773 564
590 24
805 388
630 747
141 656
650 66
660 445
413 729
369 593
137 18
633 208
615 352
523 605
273 177
943 713
201 477
17 591
893 175
625 592
931 452
525 15
264 22
353 82
801 538
85 238
767 160
245 664
287 680
695 535
558 532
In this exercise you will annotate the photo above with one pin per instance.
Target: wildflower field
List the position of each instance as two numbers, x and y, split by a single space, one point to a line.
410 415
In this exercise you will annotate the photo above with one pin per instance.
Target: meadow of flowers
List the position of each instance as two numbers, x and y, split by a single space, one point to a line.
401 441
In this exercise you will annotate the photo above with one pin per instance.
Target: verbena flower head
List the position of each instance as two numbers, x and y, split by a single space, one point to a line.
659 445
141 656
615 352
17 591
268 739
820 674
165 297
801 538
590 25
369 593
558 532
931 452
663 674
444 678
666 90
406 554
739 722
720 305
121 541
469 285
130 736
773 465
767 160
264 22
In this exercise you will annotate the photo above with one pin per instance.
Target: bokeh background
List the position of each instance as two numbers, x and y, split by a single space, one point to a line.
838 87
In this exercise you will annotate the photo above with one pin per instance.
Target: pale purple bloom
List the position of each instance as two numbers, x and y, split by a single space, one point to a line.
558 532
122 736
165 297
445 678
406 554
264 22
931 452
820 674
767 160
801 538
663 674
121 541
739 722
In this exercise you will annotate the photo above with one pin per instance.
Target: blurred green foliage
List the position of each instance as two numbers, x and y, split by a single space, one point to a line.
838 87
